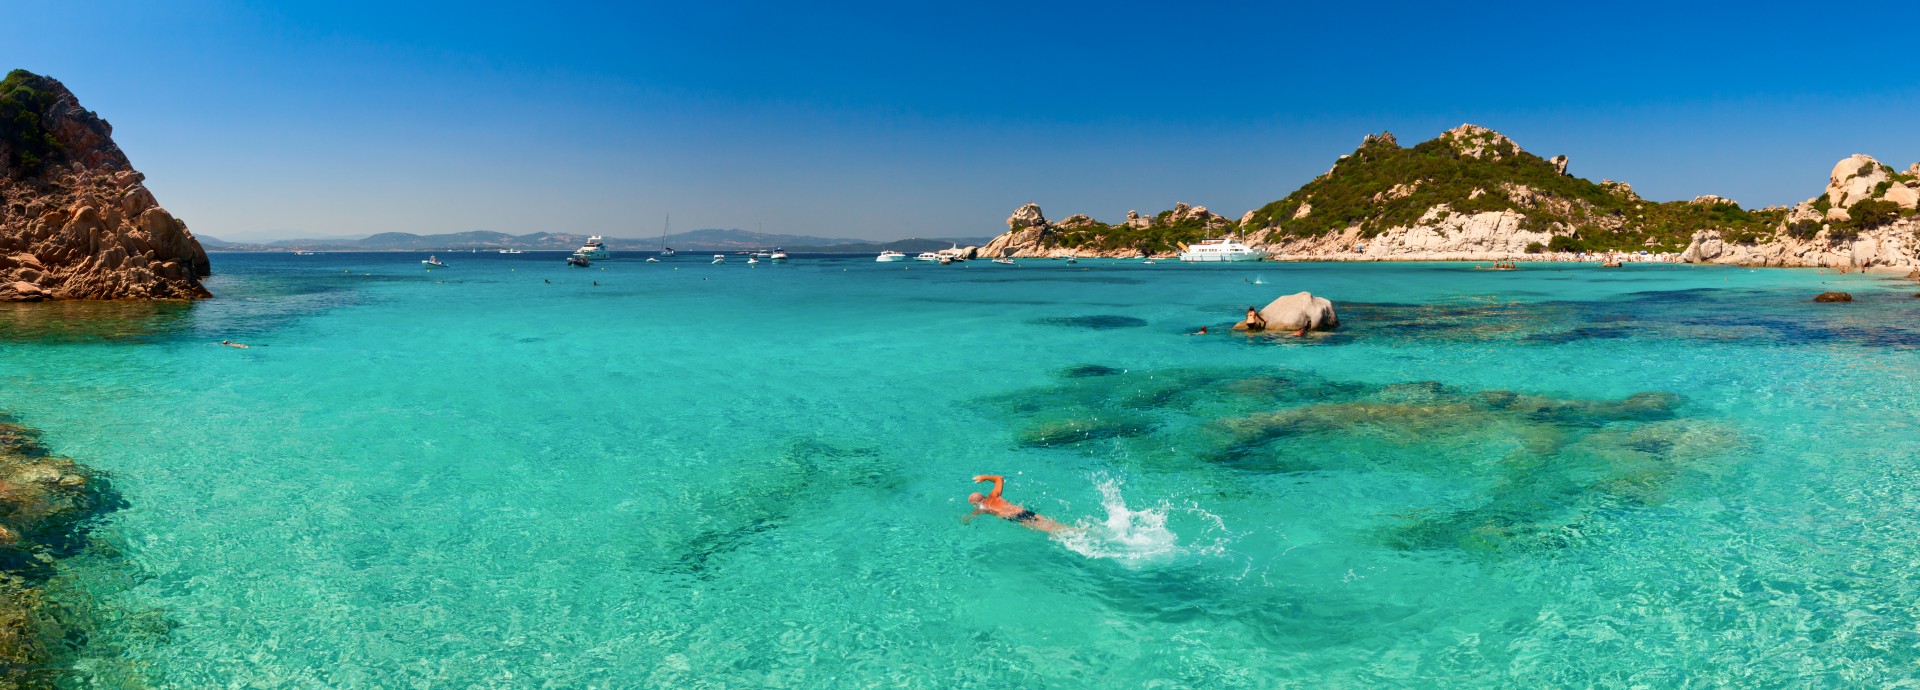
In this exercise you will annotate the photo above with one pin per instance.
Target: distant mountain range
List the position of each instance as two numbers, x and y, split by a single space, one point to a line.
691 241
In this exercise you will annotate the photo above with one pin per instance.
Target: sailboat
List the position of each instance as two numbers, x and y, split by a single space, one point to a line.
664 249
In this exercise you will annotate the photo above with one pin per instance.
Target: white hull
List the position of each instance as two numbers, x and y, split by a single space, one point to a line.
1189 257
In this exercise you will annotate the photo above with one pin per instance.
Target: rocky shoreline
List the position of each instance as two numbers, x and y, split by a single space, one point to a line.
1512 206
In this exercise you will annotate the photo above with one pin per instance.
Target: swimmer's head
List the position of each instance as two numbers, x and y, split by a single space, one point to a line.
976 498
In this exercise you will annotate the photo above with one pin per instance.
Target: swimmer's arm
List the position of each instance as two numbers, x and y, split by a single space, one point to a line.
999 483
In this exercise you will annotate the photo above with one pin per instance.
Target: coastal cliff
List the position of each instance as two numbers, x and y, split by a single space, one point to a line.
1472 194
76 222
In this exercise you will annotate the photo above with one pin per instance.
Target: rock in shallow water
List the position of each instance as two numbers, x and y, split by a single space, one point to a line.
1833 296
1098 322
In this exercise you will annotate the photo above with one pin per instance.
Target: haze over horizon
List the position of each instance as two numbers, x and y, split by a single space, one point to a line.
256 122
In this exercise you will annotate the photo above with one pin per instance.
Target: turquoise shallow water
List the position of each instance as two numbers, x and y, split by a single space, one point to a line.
721 476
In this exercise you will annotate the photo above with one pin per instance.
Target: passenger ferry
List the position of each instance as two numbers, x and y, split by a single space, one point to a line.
1222 249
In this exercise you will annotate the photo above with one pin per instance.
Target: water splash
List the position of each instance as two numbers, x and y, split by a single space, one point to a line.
1130 534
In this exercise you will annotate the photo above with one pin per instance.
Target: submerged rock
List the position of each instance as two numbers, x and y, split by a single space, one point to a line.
1833 296
45 502
1086 370
1529 468
1098 322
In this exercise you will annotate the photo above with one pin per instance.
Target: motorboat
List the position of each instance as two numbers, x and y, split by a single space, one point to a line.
719 258
779 255
1071 260
1221 249
302 252
432 260
652 260
890 256
593 249
762 254
1149 260
1004 260
752 260
945 260
511 251
927 256
577 260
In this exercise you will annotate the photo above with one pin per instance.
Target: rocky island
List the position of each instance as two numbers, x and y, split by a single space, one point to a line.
1472 194
76 222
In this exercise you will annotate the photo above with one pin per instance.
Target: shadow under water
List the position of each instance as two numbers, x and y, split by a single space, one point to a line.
1527 469
48 504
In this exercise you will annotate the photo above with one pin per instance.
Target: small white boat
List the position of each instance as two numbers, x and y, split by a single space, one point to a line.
751 261
1148 261
1222 249
593 249
1004 260
890 256
779 255
762 254
719 258
577 260
927 256
433 261
652 260
302 252
511 251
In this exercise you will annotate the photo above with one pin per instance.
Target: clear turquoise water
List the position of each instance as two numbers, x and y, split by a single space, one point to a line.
723 476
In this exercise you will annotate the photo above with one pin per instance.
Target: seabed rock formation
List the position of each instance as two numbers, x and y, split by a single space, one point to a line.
76 222
1537 465
45 504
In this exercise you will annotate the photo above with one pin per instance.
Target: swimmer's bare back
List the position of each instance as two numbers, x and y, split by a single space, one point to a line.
993 504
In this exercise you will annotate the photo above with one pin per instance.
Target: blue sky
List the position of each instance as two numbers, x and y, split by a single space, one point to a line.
883 120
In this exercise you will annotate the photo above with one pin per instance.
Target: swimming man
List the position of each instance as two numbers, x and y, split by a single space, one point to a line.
993 504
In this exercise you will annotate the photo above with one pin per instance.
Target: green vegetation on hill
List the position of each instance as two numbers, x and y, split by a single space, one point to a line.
1162 236
28 145
1383 186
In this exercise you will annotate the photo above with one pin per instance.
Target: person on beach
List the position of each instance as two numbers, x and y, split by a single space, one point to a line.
993 504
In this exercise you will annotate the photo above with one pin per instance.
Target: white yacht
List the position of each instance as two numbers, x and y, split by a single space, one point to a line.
890 256
779 255
593 249
927 256
1222 249
511 251
719 258
762 254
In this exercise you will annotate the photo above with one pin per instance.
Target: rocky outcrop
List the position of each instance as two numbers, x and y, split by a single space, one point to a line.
1821 232
1892 246
1030 235
76 222
1833 296
1442 235
1296 312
